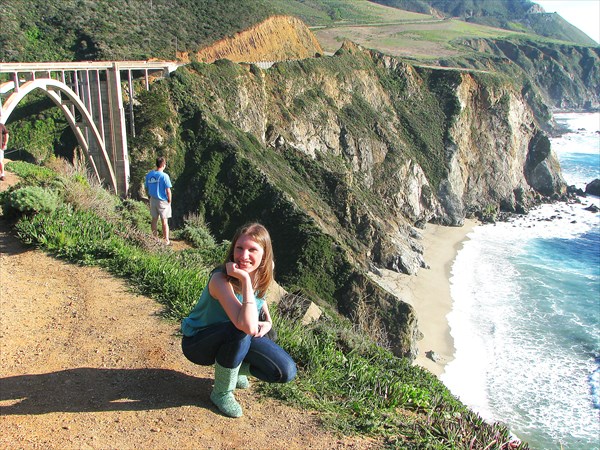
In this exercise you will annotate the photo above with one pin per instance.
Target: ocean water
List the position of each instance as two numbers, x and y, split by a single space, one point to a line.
526 311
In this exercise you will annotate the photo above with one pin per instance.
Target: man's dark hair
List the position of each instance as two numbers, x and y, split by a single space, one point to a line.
160 161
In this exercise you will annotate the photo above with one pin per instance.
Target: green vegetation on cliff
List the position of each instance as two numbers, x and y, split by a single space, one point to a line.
47 30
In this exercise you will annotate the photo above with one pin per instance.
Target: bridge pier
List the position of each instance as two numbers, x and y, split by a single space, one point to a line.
106 102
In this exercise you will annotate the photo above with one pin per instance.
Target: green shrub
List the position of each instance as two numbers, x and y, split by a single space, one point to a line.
32 199
135 213
489 213
196 232
30 171
76 235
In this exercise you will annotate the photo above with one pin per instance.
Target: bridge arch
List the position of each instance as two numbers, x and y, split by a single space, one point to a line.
84 129
90 95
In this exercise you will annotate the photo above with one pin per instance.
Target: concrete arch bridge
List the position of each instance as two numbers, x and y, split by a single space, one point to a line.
90 94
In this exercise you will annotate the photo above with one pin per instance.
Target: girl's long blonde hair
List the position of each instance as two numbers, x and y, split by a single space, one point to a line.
264 273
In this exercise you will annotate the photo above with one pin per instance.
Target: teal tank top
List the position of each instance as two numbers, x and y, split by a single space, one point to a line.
208 311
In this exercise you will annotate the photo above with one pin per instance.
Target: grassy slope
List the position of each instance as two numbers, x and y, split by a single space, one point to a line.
357 386
318 13
510 15
432 39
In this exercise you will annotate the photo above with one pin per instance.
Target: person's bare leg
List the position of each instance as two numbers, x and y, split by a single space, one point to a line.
165 229
154 227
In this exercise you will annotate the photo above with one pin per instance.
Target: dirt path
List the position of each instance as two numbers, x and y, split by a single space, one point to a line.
86 364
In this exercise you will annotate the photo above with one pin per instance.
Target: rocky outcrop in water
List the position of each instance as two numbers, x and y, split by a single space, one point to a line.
593 188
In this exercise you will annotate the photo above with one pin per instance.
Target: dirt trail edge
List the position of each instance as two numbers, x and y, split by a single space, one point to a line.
86 364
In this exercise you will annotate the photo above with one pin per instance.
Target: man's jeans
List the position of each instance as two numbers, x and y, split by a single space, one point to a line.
229 347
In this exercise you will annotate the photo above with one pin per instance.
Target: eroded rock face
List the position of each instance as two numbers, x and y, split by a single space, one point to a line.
278 38
390 168
497 154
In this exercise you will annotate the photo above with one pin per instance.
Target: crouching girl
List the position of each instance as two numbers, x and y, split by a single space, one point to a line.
224 327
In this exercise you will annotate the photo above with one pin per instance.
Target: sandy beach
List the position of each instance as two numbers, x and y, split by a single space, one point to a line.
429 292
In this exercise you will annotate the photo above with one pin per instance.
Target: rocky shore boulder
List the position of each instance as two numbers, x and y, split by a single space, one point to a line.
542 167
593 188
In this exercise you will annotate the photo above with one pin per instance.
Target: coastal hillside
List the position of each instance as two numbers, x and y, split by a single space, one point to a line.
345 158
356 151
566 76
554 59
511 15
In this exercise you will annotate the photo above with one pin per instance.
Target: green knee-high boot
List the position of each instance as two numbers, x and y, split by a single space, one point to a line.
222 393
242 380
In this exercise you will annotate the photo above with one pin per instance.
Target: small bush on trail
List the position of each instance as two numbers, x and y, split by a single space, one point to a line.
196 232
31 199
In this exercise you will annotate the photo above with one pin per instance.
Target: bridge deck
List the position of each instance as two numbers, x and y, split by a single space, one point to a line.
87 65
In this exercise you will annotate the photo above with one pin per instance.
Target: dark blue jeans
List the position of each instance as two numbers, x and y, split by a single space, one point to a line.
228 346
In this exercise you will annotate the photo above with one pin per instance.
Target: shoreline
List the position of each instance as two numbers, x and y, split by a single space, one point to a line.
429 292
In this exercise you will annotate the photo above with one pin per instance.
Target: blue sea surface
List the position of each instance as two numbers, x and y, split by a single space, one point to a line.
526 311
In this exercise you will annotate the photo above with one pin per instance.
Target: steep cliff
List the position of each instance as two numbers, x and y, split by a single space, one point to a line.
278 38
567 76
344 158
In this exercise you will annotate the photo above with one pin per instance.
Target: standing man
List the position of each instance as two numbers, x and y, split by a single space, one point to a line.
158 186
3 144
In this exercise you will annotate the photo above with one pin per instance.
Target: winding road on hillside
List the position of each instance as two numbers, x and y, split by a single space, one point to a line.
87 364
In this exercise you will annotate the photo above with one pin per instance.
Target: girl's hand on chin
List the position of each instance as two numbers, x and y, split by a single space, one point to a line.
233 270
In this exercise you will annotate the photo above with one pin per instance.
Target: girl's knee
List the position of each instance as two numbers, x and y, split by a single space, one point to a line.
288 372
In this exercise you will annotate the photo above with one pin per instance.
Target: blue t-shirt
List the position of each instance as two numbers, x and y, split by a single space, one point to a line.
157 183
208 311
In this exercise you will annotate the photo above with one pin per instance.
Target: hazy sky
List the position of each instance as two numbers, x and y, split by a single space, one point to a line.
584 14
